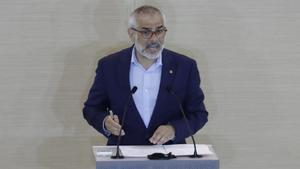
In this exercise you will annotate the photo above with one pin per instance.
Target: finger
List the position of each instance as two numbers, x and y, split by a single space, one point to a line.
117 132
162 134
162 140
116 118
108 122
111 125
156 137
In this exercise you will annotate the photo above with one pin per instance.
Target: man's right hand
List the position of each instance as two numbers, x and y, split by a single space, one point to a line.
112 124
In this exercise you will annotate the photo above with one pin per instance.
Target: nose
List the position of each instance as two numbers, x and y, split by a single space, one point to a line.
153 36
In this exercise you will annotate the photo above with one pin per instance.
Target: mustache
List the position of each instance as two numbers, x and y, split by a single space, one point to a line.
153 45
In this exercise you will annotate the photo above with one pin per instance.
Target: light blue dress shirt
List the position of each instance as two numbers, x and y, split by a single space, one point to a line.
147 82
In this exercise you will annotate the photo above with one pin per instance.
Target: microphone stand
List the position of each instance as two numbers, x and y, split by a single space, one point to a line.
195 155
118 155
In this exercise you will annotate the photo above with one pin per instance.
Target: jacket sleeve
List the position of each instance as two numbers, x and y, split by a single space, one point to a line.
193 105
95 107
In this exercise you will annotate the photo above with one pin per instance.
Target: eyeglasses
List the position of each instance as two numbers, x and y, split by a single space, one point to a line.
147 34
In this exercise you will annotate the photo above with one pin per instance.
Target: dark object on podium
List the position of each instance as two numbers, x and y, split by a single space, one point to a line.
161 156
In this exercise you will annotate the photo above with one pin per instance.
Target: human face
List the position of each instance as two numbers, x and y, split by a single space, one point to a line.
149 46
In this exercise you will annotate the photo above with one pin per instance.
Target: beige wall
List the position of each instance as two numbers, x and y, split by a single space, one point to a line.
248 52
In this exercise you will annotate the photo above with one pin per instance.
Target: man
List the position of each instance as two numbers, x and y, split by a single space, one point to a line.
160 75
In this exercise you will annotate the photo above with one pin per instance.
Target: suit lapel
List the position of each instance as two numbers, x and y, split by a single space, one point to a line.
167 76
124 81
123 69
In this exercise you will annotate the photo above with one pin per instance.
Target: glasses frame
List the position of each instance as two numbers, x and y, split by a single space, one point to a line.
142 32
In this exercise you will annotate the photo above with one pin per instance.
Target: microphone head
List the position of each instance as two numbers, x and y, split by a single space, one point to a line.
133 90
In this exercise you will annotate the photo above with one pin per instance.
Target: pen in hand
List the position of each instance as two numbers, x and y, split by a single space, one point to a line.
114 124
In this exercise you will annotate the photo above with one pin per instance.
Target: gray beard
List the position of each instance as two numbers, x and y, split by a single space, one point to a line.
139 48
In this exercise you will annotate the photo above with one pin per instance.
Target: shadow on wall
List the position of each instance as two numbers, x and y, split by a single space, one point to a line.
73 148
76 80
79 72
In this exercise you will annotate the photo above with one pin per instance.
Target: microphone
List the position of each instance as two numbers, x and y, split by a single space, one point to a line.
118 156
169 90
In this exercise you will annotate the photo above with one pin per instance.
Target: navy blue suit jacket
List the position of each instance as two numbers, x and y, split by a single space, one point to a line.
111 89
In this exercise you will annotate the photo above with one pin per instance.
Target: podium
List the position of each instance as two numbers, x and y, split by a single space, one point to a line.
104 161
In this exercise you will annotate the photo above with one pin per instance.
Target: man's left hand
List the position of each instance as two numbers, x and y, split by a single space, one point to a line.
163 134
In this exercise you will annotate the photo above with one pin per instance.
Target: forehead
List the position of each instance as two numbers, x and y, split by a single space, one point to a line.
151 21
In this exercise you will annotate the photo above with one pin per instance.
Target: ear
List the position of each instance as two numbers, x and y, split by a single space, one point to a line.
131 34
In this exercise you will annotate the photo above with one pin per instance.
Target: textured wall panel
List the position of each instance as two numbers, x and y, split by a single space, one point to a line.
247 52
